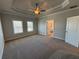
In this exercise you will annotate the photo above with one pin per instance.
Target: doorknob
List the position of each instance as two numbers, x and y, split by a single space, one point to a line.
51 31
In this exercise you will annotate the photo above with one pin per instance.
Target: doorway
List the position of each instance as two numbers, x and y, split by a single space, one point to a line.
50 28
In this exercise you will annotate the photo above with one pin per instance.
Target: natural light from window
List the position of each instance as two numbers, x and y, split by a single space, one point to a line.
29 26
17 26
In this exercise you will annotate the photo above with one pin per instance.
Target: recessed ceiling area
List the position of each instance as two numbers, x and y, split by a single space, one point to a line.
26 6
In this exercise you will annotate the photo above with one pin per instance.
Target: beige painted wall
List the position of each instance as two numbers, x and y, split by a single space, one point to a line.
60 21
8 27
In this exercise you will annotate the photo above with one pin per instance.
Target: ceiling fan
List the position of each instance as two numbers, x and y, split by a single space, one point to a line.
37 10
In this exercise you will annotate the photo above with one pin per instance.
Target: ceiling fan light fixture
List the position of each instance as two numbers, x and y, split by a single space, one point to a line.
37 10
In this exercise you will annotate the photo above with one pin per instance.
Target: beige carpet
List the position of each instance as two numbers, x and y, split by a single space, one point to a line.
63 54
35 47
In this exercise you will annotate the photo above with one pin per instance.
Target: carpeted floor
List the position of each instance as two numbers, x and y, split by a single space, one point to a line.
35 47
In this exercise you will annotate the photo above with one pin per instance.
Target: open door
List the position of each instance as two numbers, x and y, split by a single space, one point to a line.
50 28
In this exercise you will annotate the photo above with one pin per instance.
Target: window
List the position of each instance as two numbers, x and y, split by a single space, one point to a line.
18 26
29 26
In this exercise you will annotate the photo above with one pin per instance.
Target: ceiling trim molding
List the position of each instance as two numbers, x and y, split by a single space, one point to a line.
12 12
17 14
62 5
60 12
21 11
21 16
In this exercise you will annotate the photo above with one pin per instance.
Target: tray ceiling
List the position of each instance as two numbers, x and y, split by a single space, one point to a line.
28 5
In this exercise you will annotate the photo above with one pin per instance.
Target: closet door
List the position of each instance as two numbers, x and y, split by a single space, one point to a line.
42 27
1 41
71 31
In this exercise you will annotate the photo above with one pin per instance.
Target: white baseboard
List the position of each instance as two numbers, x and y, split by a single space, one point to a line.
59 38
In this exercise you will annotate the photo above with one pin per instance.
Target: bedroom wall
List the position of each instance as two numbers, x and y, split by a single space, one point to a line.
8 27
1 40
60 21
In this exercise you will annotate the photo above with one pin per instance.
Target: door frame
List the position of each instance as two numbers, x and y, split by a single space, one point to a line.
53 21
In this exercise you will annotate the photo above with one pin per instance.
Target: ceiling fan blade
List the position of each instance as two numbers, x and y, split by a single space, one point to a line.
43 10
37 4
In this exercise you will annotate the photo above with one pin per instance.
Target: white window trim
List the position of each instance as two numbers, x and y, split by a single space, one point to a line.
32 26
18 31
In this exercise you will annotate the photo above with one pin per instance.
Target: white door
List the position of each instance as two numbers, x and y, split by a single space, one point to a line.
71 31
50 28
1 41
